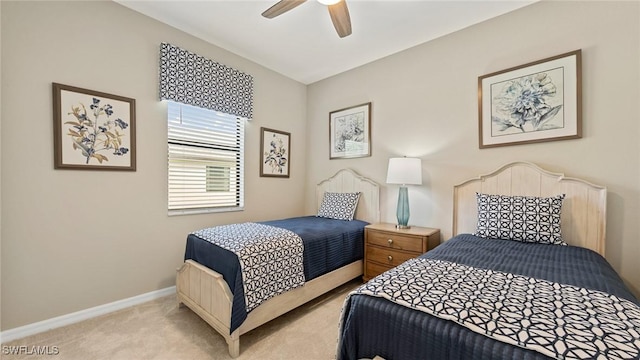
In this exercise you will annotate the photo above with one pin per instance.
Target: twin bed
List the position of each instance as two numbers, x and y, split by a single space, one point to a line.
490 297
480 297
209 276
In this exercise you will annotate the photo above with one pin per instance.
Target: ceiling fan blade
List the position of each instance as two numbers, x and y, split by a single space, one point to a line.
281 7
340 18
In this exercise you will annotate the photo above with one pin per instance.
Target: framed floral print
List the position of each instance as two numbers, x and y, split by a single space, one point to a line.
350 132
275 153
93 130
535 102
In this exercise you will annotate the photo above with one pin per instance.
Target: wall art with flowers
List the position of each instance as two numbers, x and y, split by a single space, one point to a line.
535 102
350 132
93 130
275 153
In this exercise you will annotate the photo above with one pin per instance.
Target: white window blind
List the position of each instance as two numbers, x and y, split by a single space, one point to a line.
206 160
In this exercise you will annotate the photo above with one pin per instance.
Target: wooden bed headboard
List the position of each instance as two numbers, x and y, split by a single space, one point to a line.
347 180
583 209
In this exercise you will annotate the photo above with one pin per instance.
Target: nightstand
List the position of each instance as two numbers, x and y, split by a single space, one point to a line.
386 247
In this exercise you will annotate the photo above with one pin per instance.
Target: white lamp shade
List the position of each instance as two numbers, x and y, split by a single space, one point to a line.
405 171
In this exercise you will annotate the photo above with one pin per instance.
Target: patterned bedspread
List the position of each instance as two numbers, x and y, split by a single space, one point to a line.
270 258
328 245
557 320
374 325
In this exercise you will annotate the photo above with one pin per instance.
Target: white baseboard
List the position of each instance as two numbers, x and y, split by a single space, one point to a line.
56 322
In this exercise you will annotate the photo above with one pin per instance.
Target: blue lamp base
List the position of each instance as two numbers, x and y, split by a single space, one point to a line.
402 211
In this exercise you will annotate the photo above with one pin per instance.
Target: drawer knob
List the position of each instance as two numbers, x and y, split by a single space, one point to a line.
390 258
390 241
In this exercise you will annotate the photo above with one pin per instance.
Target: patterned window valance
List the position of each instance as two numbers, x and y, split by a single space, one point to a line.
191 79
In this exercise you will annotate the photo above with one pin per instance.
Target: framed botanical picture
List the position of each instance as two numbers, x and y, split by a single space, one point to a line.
534 102
275 153
350 132
93 130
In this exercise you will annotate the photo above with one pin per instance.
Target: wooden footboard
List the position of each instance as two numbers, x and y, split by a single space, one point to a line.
206 293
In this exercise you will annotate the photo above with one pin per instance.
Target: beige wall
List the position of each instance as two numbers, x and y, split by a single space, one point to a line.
425 104
0 168
72 240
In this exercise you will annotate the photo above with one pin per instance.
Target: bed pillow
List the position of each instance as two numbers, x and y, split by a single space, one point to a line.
339 206
520 218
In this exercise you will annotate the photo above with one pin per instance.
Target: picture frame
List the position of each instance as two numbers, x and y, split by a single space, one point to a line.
531 103
275 153
93 130
350 132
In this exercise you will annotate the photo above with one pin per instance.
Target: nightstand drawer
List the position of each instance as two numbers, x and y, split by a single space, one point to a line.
375 269
388 257
395 241
386 246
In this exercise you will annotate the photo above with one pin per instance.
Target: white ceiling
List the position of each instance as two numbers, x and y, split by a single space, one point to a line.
302 43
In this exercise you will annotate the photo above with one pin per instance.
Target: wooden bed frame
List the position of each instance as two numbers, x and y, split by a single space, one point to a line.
206 293
583 209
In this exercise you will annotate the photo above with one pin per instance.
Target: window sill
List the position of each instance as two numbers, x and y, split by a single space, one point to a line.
204 211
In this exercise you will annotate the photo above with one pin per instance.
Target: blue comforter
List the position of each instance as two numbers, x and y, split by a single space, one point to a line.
374 326
328 245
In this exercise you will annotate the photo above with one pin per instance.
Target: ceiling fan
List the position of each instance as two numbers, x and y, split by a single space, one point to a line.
337 10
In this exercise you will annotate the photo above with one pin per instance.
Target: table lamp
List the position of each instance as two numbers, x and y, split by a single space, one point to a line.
404 171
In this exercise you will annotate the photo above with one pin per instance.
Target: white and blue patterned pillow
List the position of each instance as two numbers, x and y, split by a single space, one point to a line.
339 206
520 218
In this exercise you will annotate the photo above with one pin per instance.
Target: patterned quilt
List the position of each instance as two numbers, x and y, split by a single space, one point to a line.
270 258
557 320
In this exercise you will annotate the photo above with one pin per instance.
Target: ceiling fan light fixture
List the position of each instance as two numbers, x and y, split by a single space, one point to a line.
329 2
337 10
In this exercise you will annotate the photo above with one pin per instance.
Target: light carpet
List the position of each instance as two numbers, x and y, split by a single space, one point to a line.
160 330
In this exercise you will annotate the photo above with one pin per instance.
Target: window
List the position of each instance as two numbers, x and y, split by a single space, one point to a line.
206 160
218 178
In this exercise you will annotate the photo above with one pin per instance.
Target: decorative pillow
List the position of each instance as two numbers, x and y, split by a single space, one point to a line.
520 218
339 206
